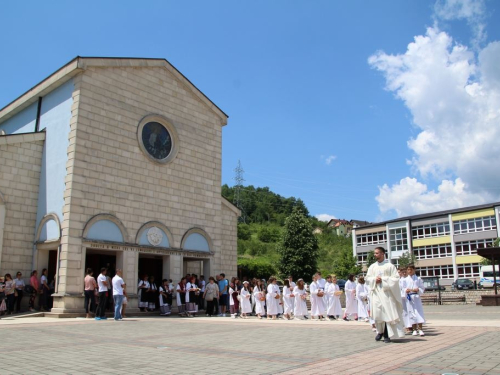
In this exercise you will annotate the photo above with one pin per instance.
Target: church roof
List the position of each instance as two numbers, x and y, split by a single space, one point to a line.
78 64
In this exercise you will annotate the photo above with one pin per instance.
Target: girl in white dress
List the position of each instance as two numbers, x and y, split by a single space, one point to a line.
300 310
351 304
272 299
260 298
317 304
362 297
334 309
414 289
288 298
246 304
191 290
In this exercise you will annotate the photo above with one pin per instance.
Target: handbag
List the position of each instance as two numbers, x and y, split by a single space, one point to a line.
3 306
29 289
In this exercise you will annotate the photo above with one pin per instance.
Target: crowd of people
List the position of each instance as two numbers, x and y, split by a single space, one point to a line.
12 291
389 301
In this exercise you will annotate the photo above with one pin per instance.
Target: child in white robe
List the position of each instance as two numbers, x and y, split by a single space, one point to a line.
362 297
334 309
414 289
351 304
300 293
317 305
260 298
246 304
371 320
288 298
272 299
402 285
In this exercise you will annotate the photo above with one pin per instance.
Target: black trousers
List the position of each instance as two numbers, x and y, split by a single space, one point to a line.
210 307
386 335
101 308
89 297
18 300
9 301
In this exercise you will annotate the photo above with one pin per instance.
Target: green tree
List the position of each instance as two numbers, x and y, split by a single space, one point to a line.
244 232
268 234
298 248
406 259
345 263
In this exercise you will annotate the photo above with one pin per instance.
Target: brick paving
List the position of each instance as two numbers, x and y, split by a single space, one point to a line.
226 346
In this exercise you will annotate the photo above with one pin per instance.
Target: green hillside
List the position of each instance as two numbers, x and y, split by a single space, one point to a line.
261 227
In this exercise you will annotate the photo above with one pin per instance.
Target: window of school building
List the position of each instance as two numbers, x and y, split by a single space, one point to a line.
470 247
432 251
399 239
362 257
371 238
478 224
431 230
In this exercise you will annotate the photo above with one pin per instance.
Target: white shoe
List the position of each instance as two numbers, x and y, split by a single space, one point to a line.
421 333
415 333
366 320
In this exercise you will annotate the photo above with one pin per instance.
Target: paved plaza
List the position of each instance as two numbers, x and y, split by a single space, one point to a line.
459 339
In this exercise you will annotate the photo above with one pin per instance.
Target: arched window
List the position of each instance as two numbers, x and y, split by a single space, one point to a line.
105 227
196 239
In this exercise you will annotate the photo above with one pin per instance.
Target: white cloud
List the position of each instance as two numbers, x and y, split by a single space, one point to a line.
325 217
410 197
472 11
330 159
453 95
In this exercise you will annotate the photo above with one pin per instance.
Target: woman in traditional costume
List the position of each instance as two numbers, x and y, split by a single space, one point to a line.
143 288
182 297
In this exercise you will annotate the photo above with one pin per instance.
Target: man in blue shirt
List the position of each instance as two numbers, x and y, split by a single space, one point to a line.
223 293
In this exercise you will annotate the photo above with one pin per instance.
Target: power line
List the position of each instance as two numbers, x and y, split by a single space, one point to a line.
239 180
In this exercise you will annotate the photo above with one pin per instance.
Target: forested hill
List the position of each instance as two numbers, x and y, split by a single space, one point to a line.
260 205
261 228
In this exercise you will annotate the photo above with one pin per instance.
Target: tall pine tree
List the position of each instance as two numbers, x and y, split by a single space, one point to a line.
298 248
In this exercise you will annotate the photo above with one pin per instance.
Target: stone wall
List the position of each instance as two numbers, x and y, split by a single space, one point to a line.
471 296
20 165
108 173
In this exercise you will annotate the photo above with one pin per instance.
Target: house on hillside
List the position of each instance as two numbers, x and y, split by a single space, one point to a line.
342 227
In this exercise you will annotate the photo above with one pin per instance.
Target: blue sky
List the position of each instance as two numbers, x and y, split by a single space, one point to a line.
318 109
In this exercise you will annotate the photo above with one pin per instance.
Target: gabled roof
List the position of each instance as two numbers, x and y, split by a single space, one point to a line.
79 64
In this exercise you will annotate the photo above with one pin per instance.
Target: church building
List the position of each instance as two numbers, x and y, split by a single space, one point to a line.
113 162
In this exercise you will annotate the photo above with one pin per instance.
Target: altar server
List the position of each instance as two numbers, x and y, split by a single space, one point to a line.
402 286
414 289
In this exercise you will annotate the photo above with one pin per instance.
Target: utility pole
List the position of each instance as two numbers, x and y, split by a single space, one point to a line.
238 178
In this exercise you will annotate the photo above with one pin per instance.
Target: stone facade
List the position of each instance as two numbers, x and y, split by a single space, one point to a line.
20 174
109 176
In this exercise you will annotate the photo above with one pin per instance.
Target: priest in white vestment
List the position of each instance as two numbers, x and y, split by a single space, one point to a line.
386 309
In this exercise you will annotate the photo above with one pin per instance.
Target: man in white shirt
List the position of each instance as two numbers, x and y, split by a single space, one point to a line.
102 283
118 285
